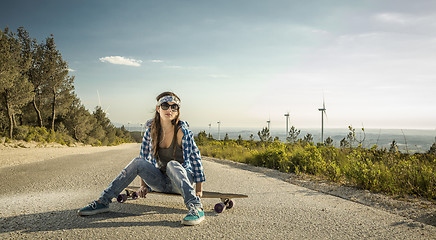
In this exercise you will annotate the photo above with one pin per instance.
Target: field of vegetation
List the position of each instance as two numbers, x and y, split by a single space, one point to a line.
37 98
375 169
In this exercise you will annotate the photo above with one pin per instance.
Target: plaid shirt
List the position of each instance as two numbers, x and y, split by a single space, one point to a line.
191 154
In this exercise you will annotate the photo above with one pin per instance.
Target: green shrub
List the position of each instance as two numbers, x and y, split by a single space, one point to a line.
374 169
20 132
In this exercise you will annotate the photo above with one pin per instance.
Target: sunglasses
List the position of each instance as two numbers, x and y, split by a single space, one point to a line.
165 106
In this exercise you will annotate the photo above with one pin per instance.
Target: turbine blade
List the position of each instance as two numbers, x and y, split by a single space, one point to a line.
99 101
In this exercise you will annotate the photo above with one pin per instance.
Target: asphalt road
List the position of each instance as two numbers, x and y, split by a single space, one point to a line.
40 201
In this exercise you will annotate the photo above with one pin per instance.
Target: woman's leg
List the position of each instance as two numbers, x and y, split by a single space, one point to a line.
182 182
138 166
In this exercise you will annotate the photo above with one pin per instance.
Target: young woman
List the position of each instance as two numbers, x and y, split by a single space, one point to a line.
169 161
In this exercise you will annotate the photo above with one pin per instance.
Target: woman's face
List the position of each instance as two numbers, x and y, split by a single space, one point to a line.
168 111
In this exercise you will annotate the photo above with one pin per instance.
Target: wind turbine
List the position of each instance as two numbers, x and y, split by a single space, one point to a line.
322 110
287 124
219 136
99 104
210 125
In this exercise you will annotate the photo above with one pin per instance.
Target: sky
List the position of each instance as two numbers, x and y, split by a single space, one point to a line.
243 62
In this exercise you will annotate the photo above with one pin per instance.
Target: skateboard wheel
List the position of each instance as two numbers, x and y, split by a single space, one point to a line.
122 198
135 195
219 207
229 204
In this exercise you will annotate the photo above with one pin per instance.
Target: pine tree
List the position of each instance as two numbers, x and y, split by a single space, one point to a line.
79 121
15 90
264 135
293 135
329 141
59 84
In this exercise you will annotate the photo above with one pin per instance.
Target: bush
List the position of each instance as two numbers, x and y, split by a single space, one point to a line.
373 169
20 132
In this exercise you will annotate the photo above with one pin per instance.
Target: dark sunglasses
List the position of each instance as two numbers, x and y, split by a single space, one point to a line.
165 106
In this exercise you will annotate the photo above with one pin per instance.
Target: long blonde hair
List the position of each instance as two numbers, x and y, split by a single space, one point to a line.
156 128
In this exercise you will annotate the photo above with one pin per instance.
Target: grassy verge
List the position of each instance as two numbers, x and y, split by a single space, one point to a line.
43 135
374 169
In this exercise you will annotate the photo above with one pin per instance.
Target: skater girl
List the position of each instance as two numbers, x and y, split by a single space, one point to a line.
169 161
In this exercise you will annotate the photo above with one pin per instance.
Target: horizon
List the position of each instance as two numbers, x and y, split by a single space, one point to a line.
243 62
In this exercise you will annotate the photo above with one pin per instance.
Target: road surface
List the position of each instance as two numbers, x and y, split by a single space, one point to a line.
40 201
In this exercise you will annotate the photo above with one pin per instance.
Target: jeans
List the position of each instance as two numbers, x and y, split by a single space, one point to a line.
176 180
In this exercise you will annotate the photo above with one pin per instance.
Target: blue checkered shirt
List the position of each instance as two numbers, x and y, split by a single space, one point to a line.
191 154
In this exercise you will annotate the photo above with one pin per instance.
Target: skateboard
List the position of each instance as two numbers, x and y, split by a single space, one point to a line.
226 198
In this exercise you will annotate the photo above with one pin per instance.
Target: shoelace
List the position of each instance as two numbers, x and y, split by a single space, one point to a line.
193 210
93 205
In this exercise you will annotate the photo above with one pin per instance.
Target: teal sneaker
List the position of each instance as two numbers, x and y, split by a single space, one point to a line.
93 208
194 217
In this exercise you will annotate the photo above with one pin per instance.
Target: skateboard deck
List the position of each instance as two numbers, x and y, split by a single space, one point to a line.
226 198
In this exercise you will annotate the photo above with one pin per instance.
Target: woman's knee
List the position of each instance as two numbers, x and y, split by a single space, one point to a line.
174 165
137 163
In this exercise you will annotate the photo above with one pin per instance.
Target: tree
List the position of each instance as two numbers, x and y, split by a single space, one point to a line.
308 139
201 138
432 149
79 121
101 118
351 137
293 135
344 143
29 53
264 135
15 90
394 147
329 141
240 139
59 84
226 138
37 77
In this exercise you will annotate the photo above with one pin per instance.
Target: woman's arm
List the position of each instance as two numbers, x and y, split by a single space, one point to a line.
199 189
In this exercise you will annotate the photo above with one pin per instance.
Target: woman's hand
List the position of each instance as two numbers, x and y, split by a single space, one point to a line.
142 192
199 189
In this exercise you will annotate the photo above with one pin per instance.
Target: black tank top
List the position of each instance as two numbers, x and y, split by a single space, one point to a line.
167 154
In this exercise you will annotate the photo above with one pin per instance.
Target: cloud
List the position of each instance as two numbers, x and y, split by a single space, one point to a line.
71 70
157 61
406 19
393 18
121 61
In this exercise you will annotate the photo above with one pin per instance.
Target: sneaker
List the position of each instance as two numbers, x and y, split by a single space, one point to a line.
93 208
194 217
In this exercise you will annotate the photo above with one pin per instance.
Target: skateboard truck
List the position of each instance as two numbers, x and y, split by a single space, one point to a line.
123 197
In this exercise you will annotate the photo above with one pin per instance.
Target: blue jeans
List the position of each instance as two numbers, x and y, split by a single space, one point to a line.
176 180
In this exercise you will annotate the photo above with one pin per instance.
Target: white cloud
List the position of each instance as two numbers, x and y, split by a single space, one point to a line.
156 61
393 18
71 70
406 19
121 61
